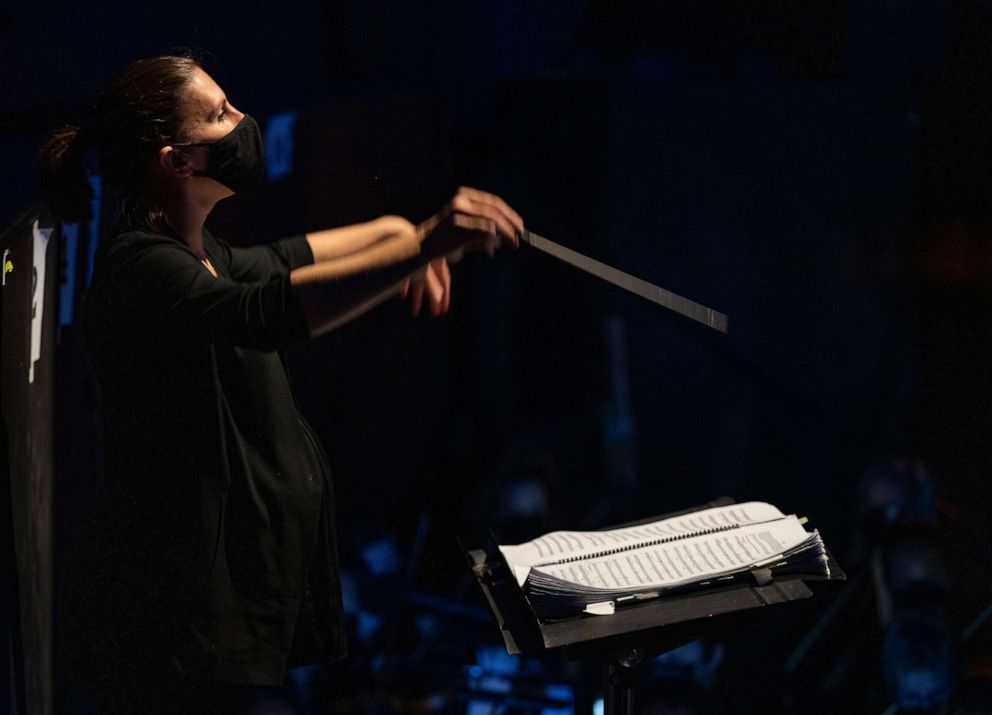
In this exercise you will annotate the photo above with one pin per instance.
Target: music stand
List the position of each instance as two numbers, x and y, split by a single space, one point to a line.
636 632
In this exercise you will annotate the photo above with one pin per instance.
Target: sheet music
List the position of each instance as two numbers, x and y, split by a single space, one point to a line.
560 545
686 560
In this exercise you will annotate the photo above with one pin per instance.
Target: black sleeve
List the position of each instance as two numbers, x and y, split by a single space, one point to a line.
260 263
168 277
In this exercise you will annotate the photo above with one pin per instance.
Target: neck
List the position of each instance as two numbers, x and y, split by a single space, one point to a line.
186 213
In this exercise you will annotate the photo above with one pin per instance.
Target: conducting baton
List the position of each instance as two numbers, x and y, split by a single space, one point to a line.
683 306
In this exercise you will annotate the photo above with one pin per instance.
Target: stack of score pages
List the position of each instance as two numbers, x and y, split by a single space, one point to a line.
565 573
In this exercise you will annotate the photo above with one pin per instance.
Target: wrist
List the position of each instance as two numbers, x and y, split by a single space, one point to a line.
391 225
431 242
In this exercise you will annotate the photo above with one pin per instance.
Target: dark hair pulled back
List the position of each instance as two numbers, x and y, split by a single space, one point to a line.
139 112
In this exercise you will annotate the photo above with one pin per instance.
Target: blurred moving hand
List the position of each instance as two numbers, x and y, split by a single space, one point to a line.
472 220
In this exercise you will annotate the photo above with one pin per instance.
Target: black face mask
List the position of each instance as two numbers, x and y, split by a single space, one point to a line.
236 160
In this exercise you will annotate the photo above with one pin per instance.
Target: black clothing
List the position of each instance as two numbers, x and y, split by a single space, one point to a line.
212 549
187 696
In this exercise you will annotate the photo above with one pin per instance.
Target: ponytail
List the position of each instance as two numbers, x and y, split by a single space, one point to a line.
139 111
64 182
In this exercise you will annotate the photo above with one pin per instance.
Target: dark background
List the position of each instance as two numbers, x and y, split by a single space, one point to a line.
817 170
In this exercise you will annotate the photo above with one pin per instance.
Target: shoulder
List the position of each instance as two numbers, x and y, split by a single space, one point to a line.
130 247
140 240
143 261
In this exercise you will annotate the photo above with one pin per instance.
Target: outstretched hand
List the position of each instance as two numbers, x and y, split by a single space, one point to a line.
434 283
473 220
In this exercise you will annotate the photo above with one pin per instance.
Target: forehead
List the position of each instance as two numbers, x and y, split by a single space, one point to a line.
202 93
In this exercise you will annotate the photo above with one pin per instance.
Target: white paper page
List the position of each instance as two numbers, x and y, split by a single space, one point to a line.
41 237
567 544
683 561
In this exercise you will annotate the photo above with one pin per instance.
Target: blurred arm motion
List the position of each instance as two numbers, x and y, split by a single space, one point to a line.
358 267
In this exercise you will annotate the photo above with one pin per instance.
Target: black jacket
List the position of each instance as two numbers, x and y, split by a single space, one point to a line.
212 547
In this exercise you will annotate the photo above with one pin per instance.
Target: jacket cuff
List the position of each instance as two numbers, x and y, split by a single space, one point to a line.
295 251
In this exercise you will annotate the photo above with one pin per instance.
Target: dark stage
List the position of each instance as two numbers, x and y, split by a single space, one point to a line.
819 171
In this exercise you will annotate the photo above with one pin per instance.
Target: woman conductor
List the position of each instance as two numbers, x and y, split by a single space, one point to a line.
209 565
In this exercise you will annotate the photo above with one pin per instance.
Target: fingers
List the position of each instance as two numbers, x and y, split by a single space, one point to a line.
496 202
474 224
465 204
439 285
416 297
458 232
435 291
472 220
445 275
435 284
438 279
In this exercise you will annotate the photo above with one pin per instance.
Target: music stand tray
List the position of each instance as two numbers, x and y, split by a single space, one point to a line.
636 631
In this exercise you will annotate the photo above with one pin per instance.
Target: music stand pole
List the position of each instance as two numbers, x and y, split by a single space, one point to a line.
618 696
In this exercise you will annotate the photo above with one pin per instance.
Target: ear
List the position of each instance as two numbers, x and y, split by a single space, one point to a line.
175 162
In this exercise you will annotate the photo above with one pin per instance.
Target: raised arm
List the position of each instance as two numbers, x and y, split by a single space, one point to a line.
360 266
336 243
